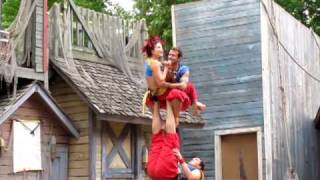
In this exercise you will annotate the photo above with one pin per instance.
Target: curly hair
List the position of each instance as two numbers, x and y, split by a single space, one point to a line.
149 45
178 50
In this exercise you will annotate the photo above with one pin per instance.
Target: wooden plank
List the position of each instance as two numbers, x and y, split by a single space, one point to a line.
140 121
82 148
92 145
82 21
173 22
78 156
79 172
26 73
81 140
78 164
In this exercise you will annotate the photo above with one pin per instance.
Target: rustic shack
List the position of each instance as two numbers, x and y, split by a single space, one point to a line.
35 135
257 69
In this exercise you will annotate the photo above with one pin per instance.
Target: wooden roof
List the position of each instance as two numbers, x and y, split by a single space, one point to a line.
8 105
112 95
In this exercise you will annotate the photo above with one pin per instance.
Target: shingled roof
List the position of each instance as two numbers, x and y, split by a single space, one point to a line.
109 91
9 104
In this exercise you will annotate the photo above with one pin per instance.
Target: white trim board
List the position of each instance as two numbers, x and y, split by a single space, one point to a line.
217 151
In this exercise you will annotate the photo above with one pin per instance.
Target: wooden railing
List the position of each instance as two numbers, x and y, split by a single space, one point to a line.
89 27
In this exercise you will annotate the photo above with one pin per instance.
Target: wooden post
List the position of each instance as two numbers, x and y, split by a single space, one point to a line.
45 43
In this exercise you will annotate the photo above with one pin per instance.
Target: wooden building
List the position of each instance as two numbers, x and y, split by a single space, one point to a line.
35 135
105 105
257 69
91 120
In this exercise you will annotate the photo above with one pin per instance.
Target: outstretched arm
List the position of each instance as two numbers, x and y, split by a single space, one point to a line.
191 175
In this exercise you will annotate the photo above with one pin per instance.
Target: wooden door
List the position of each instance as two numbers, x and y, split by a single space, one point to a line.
60 164
119 147
239 157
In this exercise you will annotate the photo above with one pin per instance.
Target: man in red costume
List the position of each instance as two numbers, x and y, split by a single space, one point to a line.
162 162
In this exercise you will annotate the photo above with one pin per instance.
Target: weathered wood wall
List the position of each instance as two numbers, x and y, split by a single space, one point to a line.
32 109
37 38
77 110
291 86
220 41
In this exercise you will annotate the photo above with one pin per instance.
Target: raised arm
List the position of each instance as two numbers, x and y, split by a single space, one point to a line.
191 175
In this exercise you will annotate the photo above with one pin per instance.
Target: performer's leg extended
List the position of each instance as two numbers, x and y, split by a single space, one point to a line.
193 95
156 119
171 120
176 108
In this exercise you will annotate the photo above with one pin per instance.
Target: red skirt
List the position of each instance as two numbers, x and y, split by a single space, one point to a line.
171 94
162 163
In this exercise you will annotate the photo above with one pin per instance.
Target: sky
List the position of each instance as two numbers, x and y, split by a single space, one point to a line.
126 4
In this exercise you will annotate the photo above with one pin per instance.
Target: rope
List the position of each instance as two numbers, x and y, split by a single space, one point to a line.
291 172
283 100
284 48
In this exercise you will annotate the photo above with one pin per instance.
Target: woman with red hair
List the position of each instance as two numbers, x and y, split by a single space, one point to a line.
158 88
162 162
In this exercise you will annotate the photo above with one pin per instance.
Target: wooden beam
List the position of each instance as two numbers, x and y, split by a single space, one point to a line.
104 150
137 120
173 23
92 145
86 54
26 73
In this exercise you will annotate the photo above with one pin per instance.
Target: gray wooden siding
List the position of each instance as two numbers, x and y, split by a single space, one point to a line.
291 88
221 43
38 37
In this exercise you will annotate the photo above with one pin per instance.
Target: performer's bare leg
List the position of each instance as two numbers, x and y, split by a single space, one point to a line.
170 122
156 119
176 107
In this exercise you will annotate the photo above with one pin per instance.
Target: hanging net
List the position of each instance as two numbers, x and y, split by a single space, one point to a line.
5 47
105 35
15 41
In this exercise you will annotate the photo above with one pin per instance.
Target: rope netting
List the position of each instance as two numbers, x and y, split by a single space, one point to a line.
15 41
104 33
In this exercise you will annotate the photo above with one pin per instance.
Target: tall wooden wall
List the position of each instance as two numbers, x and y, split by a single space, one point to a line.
32 109
77 110
291 86
37 38
221 43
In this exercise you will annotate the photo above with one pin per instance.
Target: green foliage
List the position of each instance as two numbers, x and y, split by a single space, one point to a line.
96 5
9 11
158 17
11 7
307 11
117 10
